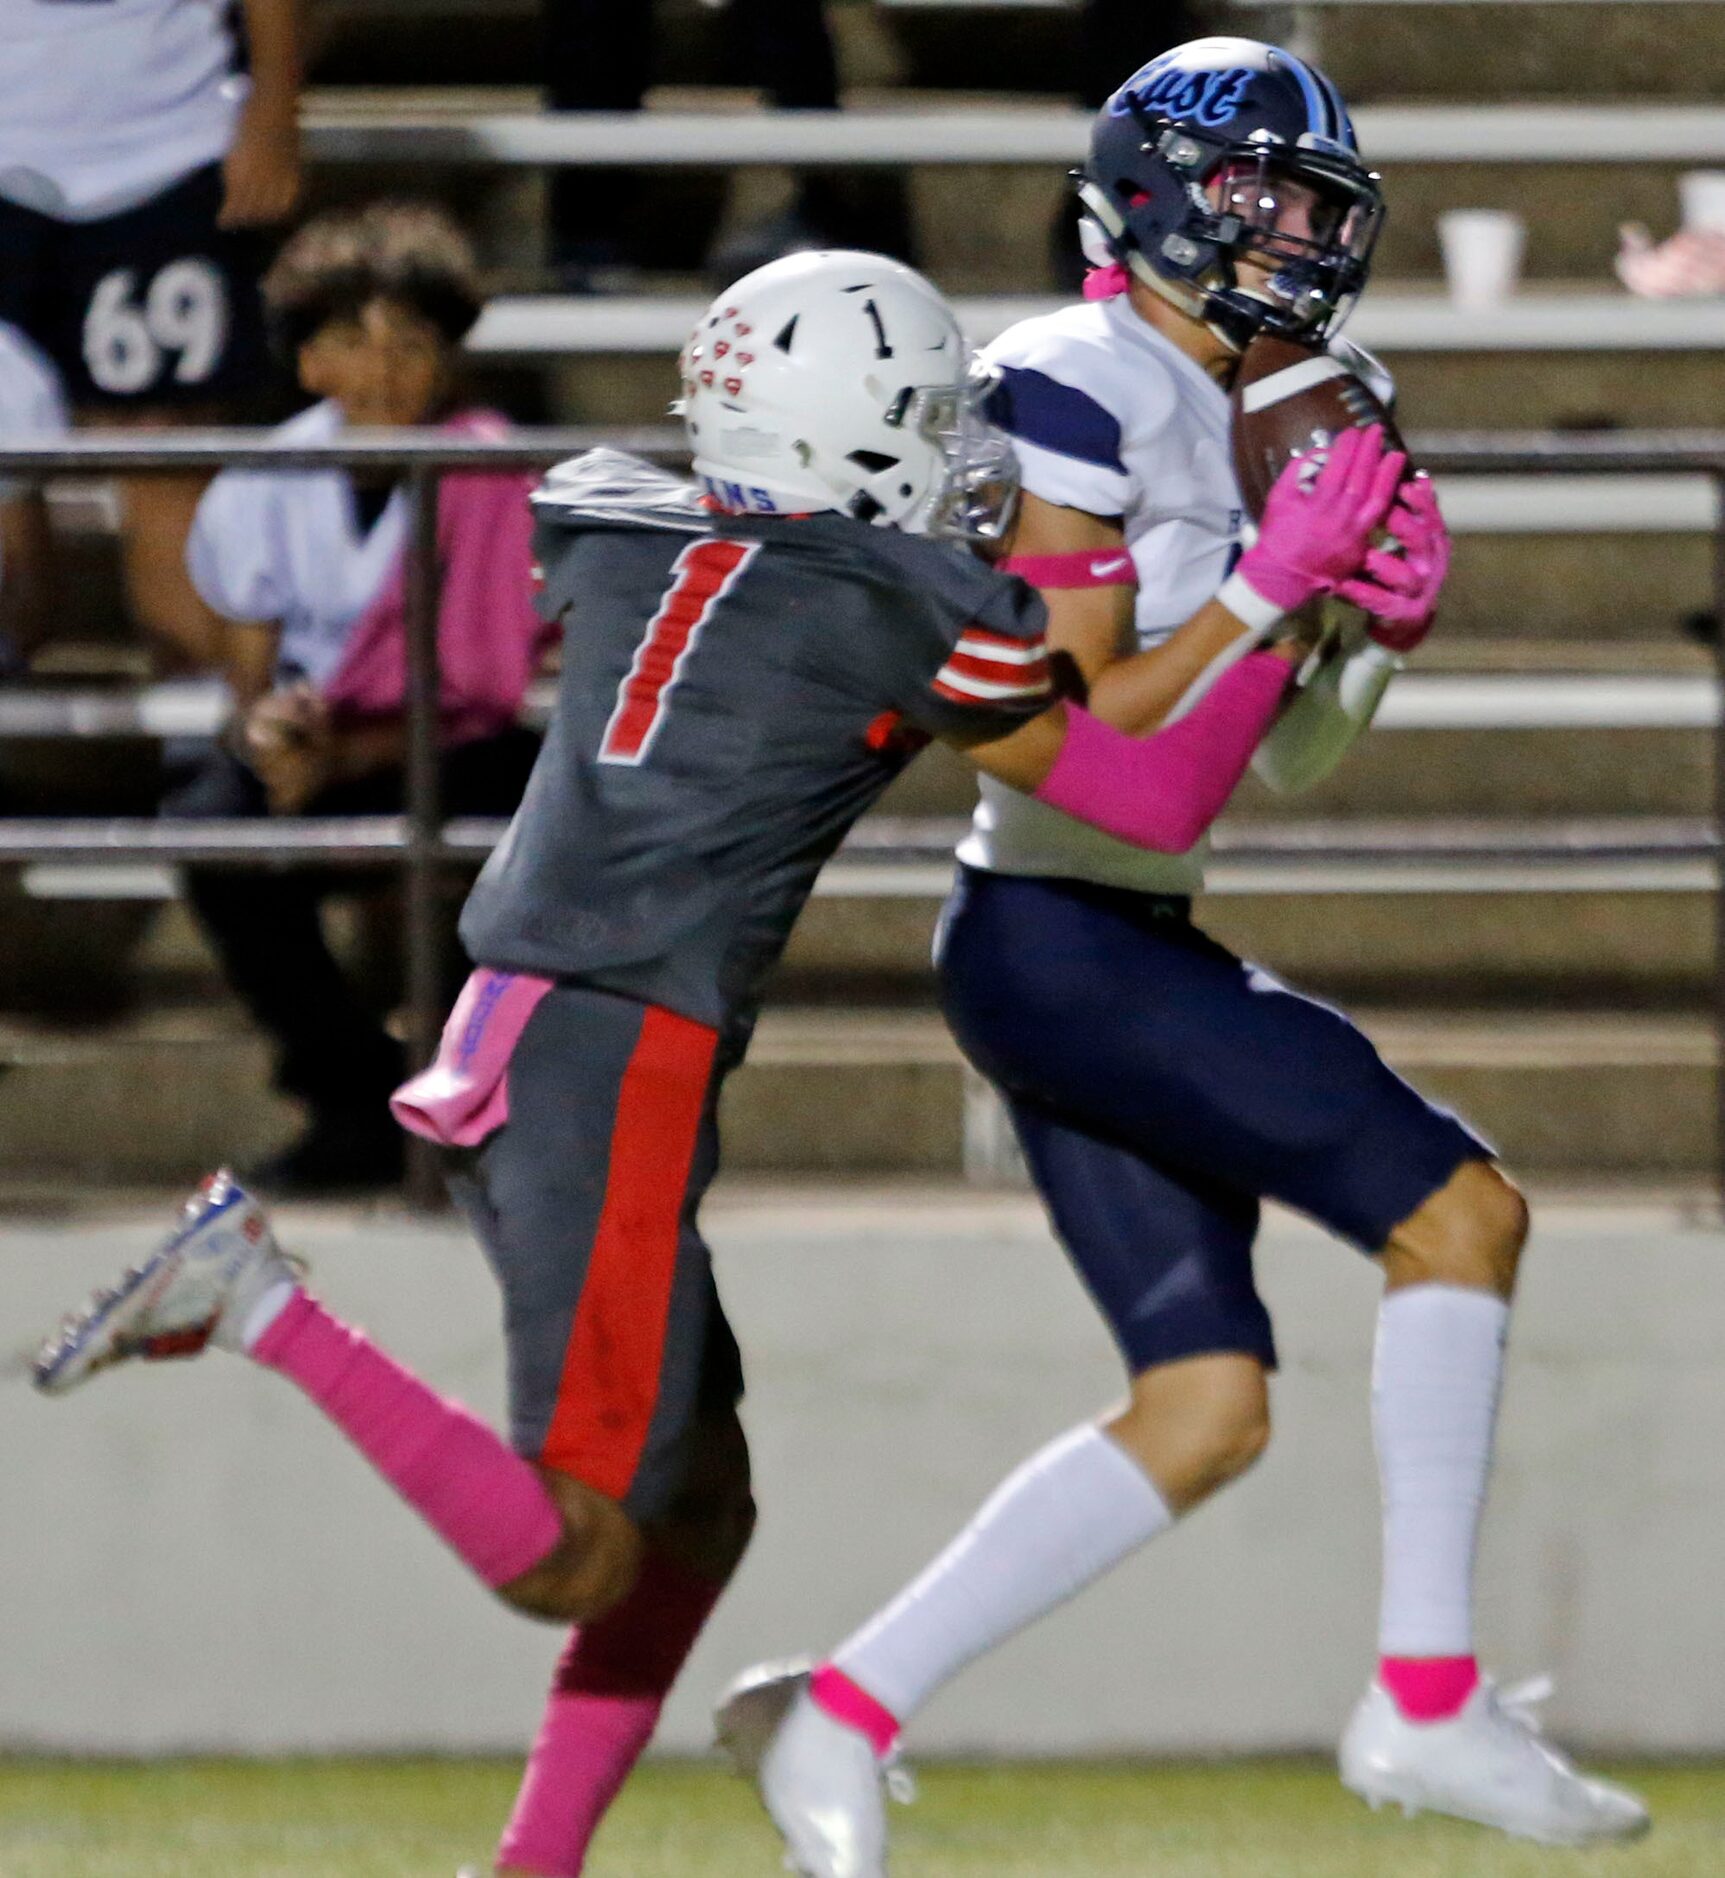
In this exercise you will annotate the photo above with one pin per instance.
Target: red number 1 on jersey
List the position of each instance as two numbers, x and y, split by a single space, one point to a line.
703 574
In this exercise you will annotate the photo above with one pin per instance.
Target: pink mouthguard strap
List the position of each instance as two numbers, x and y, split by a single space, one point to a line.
1106 283
1162 792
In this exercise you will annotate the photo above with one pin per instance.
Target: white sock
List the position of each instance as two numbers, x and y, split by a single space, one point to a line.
1063 1519
1435 1384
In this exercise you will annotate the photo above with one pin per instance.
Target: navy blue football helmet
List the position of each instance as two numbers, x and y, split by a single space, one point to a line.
1224 152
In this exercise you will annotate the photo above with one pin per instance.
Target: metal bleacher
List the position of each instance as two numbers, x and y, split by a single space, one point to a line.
1515 876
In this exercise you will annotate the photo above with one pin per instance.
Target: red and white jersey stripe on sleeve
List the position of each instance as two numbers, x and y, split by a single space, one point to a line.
986 668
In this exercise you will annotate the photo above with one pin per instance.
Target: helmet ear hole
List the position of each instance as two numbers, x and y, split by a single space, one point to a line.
874 462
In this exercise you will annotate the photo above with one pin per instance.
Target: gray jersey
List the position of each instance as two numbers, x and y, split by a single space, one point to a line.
736 691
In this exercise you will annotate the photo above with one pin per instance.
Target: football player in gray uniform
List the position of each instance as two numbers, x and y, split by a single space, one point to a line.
749 661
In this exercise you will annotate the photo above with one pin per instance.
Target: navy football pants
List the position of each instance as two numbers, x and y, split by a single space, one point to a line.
1161 1087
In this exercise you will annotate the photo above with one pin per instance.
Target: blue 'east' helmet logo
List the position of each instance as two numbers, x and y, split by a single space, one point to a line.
1238 87
1209 99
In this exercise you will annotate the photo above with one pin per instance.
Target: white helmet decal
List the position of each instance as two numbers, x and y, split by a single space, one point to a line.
841 381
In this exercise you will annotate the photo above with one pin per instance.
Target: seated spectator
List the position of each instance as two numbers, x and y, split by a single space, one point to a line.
307 570
31 411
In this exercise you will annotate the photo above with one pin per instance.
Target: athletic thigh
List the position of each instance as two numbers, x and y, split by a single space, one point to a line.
1145 1031
1167 1259
585 1201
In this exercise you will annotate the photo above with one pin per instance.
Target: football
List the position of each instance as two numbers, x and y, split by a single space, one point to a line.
1288 399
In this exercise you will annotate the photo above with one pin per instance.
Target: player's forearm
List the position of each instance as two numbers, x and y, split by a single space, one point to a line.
1159 792
1137 694
276 57
1162 792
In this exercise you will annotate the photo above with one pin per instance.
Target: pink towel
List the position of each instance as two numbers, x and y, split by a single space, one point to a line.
488 635
464 1095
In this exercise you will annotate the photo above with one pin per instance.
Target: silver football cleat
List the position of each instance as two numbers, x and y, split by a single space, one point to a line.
197 1288
821 1782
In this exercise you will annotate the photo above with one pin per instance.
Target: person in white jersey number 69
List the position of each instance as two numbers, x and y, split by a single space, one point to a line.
139 170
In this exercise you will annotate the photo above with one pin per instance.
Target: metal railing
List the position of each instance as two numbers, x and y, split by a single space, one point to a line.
1529 131
424 847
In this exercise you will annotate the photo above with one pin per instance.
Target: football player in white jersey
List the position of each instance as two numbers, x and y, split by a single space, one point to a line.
1161 1089
137 171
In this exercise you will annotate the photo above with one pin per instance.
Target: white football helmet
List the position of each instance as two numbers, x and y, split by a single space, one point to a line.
841 381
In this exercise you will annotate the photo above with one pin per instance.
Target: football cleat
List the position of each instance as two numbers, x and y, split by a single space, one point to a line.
820 1781
750 1711
1489 1764
198 1287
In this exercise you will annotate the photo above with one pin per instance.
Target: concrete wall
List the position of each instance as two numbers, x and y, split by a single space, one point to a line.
190 1558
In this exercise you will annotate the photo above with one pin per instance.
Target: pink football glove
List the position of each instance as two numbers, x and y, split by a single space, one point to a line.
1400 589
1315 529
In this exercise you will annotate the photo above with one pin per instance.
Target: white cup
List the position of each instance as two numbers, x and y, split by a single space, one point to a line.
1702 194
1482 250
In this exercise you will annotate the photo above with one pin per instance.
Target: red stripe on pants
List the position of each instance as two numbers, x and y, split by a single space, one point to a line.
610 1383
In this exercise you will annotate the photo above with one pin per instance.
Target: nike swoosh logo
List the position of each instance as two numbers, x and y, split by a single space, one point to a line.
1100 570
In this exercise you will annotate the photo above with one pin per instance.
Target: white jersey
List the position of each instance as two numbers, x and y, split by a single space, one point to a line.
1110 417
287 547
1107 416
106 103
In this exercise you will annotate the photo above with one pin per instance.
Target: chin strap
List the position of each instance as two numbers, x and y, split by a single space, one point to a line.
1183 298
1114 266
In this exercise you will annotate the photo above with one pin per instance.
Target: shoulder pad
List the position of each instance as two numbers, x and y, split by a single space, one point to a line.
1073 336
1077 347
608 488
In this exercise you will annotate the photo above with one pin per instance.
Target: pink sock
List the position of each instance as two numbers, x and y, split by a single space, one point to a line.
1429 1688
473 1490
604 1706
848 1702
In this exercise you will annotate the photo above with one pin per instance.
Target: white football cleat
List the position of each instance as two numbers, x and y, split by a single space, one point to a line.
750 1711
198 1287
1489 1764
821 1782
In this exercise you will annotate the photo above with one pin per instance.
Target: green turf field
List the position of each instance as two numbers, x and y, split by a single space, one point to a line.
396 1819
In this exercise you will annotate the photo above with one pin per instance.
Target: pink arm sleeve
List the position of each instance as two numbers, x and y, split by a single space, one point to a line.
1162 792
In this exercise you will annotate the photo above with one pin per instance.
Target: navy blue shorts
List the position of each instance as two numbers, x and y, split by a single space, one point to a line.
155 306
1161 1088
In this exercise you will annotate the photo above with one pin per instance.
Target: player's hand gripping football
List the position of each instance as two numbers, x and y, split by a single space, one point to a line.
1316 529
1398 586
